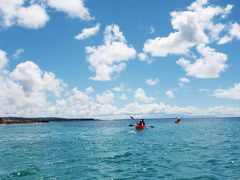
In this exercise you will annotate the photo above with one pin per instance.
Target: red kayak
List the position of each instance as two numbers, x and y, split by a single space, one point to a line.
139 127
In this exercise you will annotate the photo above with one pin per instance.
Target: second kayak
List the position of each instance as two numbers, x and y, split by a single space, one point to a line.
177 121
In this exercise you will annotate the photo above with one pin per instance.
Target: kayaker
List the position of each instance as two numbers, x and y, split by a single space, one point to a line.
141 122
177 121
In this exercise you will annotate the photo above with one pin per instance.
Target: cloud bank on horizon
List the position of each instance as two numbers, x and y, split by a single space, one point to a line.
112 87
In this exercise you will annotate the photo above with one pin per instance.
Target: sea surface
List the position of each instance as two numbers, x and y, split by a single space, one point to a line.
206 149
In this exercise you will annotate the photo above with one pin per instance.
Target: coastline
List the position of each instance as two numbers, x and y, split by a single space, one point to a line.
22 120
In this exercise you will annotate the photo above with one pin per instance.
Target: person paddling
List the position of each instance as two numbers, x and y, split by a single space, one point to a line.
141 122
178 120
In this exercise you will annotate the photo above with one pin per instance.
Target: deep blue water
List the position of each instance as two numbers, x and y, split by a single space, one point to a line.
194 149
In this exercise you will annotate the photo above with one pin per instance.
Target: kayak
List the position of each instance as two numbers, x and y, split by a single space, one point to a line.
139 127
177 121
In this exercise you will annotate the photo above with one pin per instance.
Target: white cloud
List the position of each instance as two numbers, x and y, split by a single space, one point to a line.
123 97
140 95
112 34
234 32
108 60
183 80
190 29
17 53
14 12
152 82
89 90
145 58
216 30
142 56
87 32
61 103
74 8
119 88
203 90
152 30
208 66
33 15
78 97
106 98
34 80
3 59
170 94
225 39
25 91
230 93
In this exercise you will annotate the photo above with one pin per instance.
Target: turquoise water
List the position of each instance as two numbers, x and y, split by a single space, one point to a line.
194 149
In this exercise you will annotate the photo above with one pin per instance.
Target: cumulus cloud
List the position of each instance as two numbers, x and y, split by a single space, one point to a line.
145 58
208 66
3 59
74 8
109 111
108 60
170 94
78 97
123 97
152 82
119 88
191 26
14 12
140 95
183 80
106 98
230 93
142 56
33 15
87 32
89 90
25 91
33 80
233 33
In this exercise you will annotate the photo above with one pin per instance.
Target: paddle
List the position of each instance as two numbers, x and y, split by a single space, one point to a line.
180 118
132 119
136 122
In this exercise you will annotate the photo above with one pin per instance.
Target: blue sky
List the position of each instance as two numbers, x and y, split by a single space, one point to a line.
112 59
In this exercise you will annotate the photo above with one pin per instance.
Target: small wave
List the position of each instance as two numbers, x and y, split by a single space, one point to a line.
25 172
133 132
118 156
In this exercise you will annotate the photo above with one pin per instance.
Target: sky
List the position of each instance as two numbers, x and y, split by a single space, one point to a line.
110 59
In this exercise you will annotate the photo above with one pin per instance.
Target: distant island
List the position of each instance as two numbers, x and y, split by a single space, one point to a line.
15 120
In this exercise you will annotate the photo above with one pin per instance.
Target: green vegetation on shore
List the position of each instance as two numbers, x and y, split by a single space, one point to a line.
15 120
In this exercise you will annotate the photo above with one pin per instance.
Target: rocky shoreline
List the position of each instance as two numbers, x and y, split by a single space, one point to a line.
17 120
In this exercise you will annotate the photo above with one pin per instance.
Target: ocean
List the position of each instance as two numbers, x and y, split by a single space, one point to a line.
200 148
